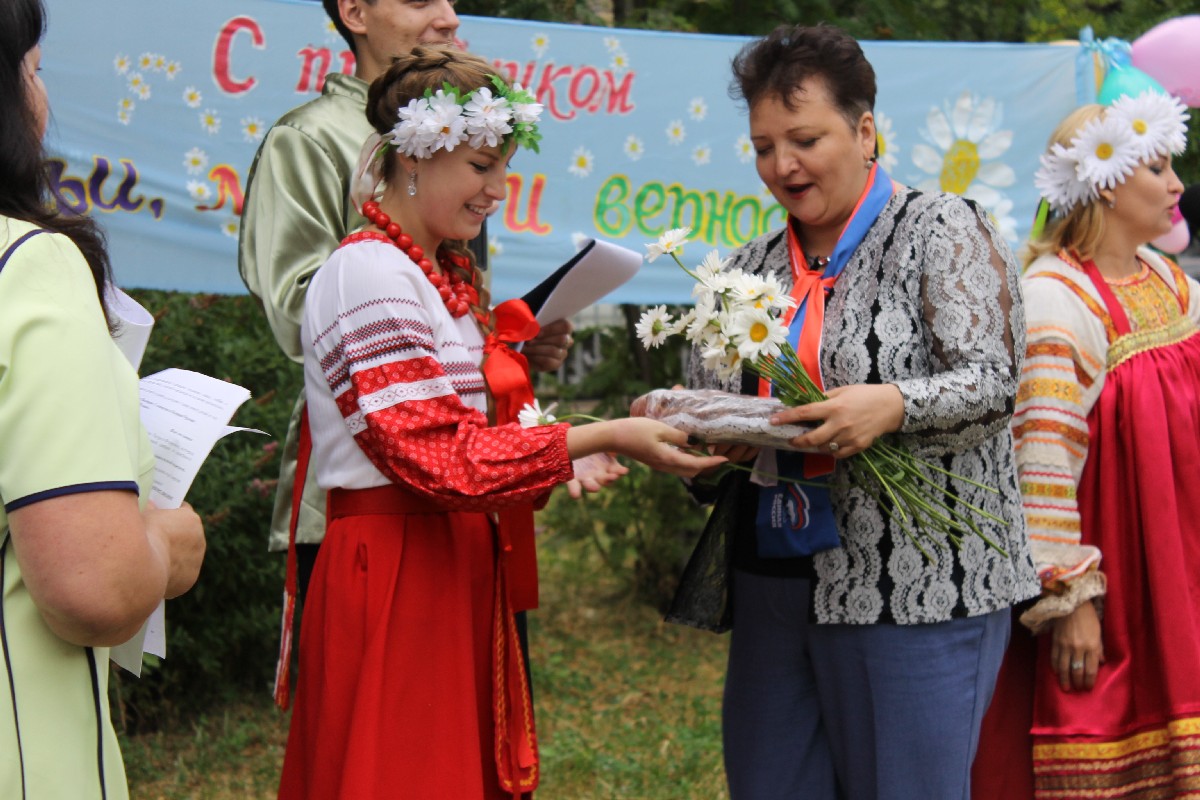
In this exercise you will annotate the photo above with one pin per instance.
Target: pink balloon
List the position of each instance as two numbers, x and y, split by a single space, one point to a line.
1170 53
1177 240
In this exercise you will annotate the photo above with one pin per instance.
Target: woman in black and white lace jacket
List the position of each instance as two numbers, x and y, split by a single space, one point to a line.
863 670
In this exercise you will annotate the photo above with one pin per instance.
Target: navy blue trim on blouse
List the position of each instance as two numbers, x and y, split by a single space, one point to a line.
13 247
78 488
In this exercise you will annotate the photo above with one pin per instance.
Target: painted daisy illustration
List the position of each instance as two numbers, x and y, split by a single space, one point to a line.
230 228
210 120
620 61
697 109
744 149
146 61
633 147
195 161
967 143
199 190
136 83
172 70
582 162
122 63
160 62
701 155
124 117
125 104
676 133
192 97
253 129
540 44
494 246
612 43
886 146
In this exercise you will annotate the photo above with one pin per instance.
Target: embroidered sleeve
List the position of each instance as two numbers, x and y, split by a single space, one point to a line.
1062 376
398 392
972 317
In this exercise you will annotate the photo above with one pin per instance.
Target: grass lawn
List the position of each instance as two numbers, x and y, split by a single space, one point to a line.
628 706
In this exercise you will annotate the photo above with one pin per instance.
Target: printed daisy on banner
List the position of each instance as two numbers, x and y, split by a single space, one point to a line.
192 97
195 161
540 44
331 31
698 109
138 86
210 121
967 144
676 133
160 62
744 149
701 155
125 108
634 147
253 129
146 61
230 227
495 248
199 190
612 44
122 63
172 70
886 144
620 61
582 162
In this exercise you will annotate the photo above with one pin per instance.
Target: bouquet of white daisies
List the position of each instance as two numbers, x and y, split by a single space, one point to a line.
736 324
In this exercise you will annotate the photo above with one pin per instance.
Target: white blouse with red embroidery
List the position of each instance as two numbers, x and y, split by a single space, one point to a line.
395 393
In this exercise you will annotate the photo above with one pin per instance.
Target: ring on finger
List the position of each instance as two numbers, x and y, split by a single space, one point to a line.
833 447
1076 665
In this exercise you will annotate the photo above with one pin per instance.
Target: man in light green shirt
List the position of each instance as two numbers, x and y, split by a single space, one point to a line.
297 212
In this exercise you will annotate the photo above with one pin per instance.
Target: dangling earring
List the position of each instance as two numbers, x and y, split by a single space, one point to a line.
412 183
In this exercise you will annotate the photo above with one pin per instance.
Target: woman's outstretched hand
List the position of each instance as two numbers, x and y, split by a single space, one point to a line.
593 473
655 444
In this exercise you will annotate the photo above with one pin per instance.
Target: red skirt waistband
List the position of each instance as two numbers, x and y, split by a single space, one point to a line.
389 499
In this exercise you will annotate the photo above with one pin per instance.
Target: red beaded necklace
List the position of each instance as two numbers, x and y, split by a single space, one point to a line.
457 293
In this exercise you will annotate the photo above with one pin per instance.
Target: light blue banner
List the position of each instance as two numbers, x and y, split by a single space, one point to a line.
159 106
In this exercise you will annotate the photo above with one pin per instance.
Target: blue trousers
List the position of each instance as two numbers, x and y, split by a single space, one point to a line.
852 712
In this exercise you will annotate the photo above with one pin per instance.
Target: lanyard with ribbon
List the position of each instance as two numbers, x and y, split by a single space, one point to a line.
798 520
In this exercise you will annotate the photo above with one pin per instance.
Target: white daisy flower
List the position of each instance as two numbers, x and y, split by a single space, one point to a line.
620 61
125 104
1104 152
253 129
160 63
146 61
487 118
654 327
540 44
1157 123
634 148
701 155
135 82
582 162
199 190
676 132
210 121
195 161
192 97
886 146
722 359
230 228
533 415
331 31
172 70
757 334
494 246
122 63
967 142
1058 182
697 109
764 292
712 278
143 91
670 242
124 117
526 112
744 149
612 43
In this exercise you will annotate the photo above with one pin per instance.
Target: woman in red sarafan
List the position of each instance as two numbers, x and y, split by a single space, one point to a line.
1106 701
411 680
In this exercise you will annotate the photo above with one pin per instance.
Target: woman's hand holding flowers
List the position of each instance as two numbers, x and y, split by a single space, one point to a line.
853 417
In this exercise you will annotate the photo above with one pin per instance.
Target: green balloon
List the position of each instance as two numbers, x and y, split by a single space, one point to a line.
1126 80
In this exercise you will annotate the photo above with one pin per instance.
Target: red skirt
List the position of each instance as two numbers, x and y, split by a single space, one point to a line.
394 696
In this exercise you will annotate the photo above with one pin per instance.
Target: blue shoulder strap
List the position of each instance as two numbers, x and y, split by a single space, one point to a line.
13 247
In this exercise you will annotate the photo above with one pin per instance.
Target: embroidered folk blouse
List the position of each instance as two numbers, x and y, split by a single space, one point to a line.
395 393
930 301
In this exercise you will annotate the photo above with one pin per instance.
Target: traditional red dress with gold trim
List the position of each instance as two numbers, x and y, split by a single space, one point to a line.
410 684
1111 398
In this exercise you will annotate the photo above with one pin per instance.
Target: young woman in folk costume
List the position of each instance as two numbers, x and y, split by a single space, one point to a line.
1106 701
411 682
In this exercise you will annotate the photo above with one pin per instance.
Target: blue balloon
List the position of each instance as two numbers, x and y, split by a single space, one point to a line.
1126 80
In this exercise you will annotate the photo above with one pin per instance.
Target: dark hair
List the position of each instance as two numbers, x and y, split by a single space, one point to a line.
331 8
424 69
24 173
1189 207
776 65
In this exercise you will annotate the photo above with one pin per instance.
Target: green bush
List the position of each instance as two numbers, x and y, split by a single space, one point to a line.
223 636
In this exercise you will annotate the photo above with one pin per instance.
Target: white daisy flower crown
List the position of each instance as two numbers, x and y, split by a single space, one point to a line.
448 117
1109 148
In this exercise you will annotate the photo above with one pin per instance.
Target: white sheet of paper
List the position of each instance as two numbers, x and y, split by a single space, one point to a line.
133 325
605 267
184 413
